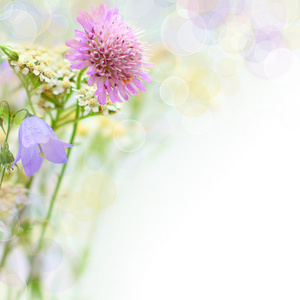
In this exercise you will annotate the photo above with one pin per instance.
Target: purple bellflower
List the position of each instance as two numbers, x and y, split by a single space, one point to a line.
37 140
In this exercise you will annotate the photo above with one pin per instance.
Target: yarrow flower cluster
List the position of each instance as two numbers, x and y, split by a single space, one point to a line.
87 98
51 69
111 50
65 77
34 61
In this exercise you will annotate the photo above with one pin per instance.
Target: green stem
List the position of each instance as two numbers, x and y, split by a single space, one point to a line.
23 109
5 253
28 184
54 101
76 120
68 111
50 210
51 118
3 173
53 125
78 81
29 97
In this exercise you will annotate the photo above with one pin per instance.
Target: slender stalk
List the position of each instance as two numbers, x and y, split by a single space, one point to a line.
5 254
54 101
51 118
28 184
53 125
81 118
28 92
3 173
58 183
69 111
50 210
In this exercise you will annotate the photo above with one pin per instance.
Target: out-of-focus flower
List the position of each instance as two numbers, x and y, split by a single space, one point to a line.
108 126
111 50
12 198
37 140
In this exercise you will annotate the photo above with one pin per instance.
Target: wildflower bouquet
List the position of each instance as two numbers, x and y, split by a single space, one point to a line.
108 65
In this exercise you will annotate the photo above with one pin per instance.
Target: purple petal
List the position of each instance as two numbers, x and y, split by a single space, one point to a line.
31 159
139 84
72 43
80 65
91 80
102 96
54 151
79 34
35 131
113 94
146 77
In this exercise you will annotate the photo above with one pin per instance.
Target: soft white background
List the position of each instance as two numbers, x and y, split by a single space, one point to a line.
217 215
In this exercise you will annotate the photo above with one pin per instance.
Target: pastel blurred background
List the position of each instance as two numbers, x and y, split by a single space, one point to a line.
199 175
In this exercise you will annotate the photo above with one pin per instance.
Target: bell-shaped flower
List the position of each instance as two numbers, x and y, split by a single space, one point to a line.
37 140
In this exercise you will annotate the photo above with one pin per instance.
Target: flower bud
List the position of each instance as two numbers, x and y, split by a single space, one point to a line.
6 157
13 55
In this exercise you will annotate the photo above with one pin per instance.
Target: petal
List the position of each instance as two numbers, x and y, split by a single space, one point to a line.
145 77
113 95
100 83
72 43
31 159
122 92
139 85
79 34
132 89
35 131
85 20
91 80
54 151
54 137
102 96
80 65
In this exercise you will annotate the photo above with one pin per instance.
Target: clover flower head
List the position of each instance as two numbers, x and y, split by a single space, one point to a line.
37 140
111 50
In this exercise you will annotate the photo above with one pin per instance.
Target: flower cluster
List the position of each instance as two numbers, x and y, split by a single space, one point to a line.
12 198
47 68
88 99
65 77
111 50
34 61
